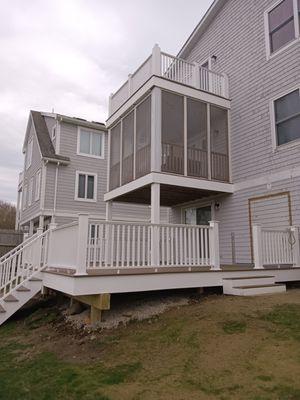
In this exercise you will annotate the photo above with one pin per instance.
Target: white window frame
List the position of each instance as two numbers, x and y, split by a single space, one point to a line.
94 199
292 143
25 196
30 191
267 30
93 131
28 155
37 185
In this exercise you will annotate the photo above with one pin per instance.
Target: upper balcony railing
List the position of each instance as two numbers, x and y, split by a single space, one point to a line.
173 68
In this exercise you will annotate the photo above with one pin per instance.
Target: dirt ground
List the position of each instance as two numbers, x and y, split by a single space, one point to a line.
214 347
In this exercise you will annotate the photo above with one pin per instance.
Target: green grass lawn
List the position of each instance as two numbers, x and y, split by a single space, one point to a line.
216 348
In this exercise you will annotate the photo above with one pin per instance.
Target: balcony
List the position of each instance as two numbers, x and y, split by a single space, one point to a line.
172 68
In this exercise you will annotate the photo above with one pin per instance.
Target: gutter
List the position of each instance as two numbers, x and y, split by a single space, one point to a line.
75 121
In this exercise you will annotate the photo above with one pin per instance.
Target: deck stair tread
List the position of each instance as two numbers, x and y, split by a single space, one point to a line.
257 286
23 289
247 277
2 310
34 279
10 298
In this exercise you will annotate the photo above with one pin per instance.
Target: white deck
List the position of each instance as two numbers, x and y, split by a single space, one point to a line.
127 280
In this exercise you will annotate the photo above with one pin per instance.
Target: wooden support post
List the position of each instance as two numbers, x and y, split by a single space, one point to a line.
156 60
97 302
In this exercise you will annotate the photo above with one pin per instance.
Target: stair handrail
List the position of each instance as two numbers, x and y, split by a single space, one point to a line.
30 270
15 249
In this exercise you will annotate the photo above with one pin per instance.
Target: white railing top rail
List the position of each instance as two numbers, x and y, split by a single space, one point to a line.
20 250
20 246
68 225
177 58
140 67
142 223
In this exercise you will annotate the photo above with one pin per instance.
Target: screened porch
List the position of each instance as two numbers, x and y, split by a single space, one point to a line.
167 132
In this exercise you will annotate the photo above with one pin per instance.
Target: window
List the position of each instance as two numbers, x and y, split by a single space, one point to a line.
143 138
115 146
25 197
282 24
37 185
30 192
28 155
90 143
86 186
127 148
287 118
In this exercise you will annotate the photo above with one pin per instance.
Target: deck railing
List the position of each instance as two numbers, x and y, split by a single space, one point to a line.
275 247
173 68
125 244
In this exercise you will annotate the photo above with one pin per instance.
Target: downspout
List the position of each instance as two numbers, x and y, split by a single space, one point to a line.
55 193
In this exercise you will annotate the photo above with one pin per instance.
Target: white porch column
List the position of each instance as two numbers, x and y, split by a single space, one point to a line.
156 60
155 219
108 210
257 246
82 241
214 246
17 212
156 130
296 250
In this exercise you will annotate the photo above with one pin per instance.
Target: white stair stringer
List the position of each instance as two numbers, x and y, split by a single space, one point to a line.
252 286
19 296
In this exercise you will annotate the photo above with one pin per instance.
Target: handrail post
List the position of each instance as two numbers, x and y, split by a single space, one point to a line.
82 241
156 60
214 248
296 249
196 75
39 232
155 219
257 246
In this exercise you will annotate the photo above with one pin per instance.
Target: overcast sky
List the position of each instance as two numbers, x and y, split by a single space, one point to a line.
69 55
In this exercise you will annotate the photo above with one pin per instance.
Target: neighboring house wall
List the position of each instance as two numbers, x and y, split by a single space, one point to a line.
30 173
237 38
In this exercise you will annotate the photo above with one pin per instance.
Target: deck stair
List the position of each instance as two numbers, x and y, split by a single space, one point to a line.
20 274
252 285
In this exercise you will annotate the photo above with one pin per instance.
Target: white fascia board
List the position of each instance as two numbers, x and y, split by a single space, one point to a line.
169 179
172 86
185 181
129 187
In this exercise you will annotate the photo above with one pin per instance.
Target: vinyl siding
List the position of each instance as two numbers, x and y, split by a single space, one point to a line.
236 36
36 164
66 182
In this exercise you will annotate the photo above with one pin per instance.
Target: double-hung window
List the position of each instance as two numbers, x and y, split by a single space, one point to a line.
86 186
282 24
90 143
287 117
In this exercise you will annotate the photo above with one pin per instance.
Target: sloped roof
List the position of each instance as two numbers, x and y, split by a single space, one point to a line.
43 137
208 17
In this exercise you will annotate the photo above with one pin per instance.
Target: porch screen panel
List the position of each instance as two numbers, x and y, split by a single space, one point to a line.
127 148
219 143
115 137
143 138
172 133
197 138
